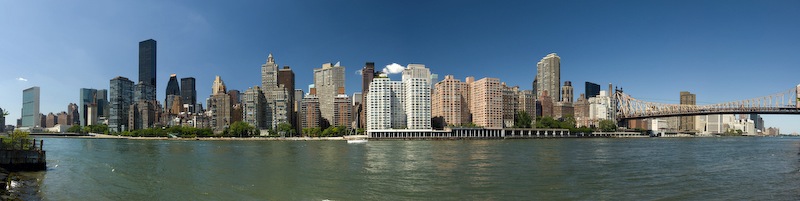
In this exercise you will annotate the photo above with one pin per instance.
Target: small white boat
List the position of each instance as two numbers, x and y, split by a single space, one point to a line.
356 141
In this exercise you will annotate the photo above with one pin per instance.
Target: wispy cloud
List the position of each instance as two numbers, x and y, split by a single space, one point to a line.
393 68
22 79
358 72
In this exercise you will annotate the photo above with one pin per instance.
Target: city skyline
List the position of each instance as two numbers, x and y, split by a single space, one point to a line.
721 59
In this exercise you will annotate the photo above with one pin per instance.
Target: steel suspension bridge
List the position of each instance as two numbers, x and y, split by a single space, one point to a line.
785 102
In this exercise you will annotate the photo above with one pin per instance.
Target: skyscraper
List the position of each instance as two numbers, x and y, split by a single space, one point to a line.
147 62
121 99
450 101
385 104
102 102
88 97
253 107
417 84
220 106
327 81
591 90
173 90
487 103
309 110
367 73
189 93
548 76
30 107
277 106
286 82
687 123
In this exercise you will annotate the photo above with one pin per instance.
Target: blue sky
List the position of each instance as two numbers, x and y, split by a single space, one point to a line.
719 50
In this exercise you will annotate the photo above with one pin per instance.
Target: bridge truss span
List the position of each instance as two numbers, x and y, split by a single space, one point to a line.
785 102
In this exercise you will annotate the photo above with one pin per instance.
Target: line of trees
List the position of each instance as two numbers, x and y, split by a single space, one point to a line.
333 131
523 120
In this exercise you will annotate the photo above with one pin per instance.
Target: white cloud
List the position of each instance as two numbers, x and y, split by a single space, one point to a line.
22 79
358 72
393 68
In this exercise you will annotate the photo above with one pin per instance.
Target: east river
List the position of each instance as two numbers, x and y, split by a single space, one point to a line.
721 168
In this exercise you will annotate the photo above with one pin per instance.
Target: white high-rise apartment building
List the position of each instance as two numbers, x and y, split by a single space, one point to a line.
385 101
418 103
417 83
402 104
548 76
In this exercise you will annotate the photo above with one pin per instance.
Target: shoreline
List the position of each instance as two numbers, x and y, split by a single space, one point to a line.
103 136
352 137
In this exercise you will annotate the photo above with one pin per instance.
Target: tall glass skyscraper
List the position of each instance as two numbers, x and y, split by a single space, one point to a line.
121 99
30 107
147 62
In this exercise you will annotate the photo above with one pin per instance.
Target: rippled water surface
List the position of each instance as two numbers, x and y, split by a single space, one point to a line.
739 168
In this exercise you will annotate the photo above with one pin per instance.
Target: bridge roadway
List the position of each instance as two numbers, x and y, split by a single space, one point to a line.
794 111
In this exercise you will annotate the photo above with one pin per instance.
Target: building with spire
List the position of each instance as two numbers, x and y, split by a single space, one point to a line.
219 106
277 107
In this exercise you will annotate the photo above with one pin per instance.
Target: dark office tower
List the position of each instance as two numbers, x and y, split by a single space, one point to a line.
592 90
172 86
367 74
188 93
286 79
147 62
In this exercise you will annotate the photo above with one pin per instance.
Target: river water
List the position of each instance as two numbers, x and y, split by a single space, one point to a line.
727 168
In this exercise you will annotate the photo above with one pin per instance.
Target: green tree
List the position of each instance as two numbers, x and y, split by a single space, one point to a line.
74 129
568 122
17 139
547 122
285 129
607 125
522 120
240 129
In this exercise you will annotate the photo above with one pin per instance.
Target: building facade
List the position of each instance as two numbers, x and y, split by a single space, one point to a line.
486 103
367 74
147 62
591 90
687 123
30 107
451 101
327 80
548 76
121 95
189 94
219 106
385 104
253 107
309 110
